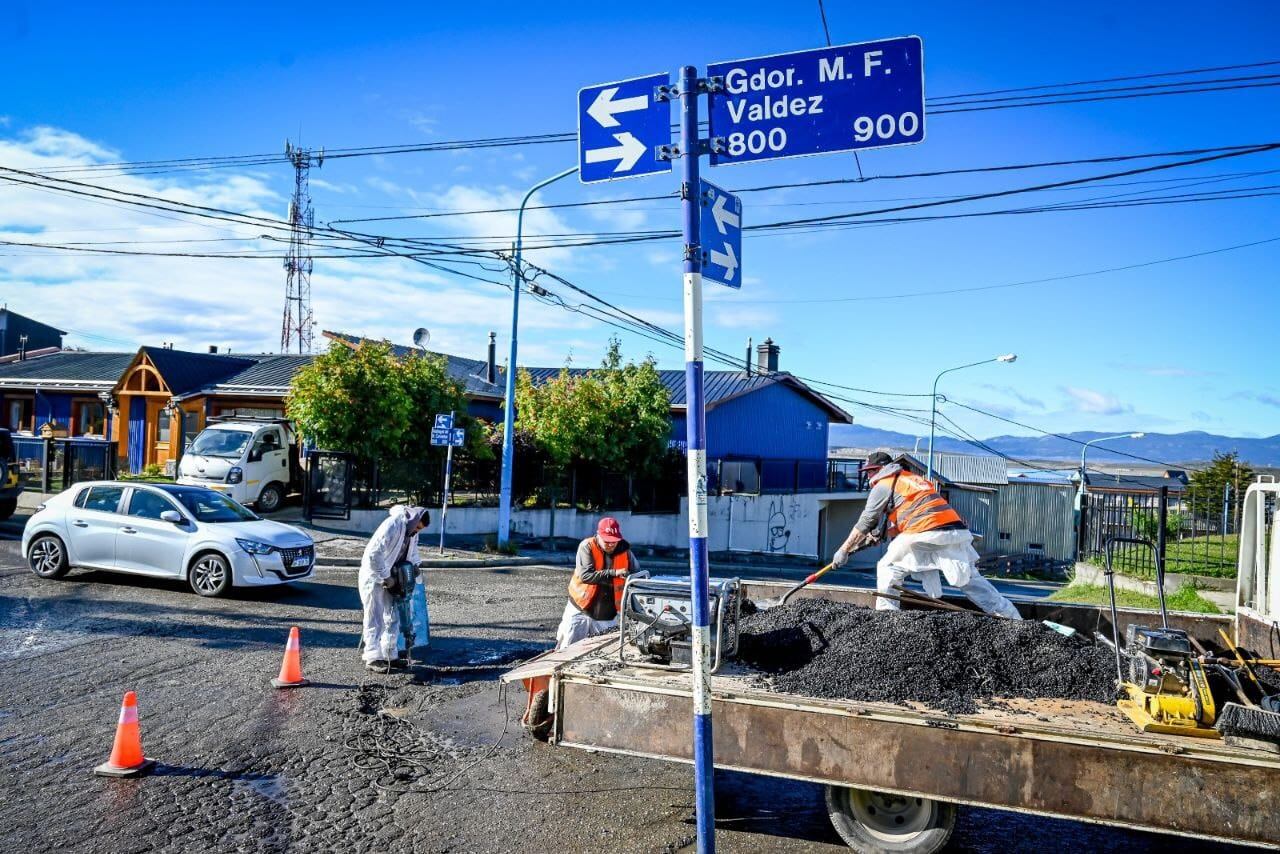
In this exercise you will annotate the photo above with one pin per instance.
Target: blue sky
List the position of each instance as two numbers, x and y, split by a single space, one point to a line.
1169 347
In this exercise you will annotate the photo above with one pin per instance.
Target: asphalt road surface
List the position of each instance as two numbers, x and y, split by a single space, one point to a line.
244 767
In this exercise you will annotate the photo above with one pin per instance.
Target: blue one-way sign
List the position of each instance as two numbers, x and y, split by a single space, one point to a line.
620 126
843 98
720 218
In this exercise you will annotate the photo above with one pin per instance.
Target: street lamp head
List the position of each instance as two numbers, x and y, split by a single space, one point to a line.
1007 357
1137 435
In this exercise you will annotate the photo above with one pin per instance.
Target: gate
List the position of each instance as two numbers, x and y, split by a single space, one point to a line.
328 484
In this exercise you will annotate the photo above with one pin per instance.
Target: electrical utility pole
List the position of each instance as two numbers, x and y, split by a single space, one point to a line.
295 330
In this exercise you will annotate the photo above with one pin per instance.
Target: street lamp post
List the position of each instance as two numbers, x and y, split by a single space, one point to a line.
509 399
1085 450
933 415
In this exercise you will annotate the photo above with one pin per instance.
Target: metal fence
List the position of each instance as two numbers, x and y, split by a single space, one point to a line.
780 476
53 465
1197 536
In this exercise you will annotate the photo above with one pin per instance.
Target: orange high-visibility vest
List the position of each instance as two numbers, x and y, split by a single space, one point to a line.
583 594
917 507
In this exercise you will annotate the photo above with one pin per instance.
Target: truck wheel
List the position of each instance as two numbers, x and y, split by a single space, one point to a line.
7 508
48 557
873 822
271 498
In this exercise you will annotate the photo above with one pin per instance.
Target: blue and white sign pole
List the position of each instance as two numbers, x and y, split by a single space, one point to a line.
696 455
448 471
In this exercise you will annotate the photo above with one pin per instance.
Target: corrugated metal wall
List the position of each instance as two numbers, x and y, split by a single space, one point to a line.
978 508
1036 514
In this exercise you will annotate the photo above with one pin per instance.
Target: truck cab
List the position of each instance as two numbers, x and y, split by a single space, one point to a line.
252 462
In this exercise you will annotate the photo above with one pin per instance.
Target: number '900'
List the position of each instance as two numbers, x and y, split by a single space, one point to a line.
885 127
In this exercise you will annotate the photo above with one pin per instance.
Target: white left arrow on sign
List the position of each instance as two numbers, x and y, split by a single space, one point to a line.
723 217
604 108
627 152
727 259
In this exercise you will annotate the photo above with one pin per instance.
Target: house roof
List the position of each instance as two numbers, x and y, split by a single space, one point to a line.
469 372
1132 482
270 374
66 370
959 469
185 372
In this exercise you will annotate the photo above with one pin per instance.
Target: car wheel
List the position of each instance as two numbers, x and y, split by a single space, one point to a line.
7 508
271 498
47 557
210 575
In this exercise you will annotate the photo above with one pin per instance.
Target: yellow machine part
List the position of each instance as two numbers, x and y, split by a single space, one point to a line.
1173 714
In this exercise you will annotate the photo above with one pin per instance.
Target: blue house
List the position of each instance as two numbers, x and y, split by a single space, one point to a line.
68 390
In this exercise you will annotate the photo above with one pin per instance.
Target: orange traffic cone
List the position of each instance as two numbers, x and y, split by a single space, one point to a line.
126 753
291 668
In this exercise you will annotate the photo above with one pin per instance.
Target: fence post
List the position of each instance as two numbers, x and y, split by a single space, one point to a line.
1082 528
1161 537
45 461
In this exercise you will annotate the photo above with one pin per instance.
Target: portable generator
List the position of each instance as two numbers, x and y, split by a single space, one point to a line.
656 621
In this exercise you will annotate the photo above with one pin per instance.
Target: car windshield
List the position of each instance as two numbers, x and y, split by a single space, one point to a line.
221 443
209 506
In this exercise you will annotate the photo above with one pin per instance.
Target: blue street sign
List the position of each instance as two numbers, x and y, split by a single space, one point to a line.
444 421
843 98
620 126
721 230
457 437
439 437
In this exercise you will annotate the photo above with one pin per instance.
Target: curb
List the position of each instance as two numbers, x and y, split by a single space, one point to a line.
438 563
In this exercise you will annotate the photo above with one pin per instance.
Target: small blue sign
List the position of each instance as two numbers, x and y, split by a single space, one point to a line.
721 233
444 421
457 437
843 98
620 126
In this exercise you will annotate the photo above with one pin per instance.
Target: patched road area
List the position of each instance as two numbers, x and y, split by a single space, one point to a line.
430 762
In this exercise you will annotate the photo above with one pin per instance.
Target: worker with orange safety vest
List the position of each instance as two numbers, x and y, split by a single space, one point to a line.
928 539
595 591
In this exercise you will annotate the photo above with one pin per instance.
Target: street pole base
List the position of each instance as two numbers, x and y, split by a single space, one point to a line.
106 769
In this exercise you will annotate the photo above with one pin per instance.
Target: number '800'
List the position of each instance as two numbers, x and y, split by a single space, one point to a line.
885 127
757 141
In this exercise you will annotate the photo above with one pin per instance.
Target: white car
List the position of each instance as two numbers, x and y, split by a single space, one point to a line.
164 530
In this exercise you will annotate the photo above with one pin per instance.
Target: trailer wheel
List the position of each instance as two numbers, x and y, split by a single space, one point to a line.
873 822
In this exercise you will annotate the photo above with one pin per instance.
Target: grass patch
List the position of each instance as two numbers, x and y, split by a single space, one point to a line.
1213 556
1186 598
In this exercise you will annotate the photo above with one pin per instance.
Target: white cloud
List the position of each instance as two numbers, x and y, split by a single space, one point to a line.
1096 402
120 301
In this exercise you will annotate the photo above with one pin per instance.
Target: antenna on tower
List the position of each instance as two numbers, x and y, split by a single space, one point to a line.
296 329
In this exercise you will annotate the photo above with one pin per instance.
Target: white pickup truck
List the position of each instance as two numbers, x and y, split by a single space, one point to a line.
252 462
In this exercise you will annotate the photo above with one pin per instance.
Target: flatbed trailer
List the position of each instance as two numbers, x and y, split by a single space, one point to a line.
894 773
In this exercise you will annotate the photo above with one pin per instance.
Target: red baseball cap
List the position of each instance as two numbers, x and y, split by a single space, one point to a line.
609 530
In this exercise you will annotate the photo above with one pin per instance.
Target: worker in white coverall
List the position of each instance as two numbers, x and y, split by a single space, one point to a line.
929 539
595 590
395 542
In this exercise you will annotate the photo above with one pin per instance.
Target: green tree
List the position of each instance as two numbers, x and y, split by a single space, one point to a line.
381 408
1208 486
616 417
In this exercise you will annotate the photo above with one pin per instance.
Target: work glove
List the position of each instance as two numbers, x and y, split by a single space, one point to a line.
840 558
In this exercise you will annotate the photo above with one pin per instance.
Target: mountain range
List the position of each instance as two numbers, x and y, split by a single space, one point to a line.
1180 448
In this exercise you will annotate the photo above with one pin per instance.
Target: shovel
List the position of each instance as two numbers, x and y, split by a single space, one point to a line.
765 604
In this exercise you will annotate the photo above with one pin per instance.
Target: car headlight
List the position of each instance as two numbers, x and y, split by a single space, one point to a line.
254 547
235 474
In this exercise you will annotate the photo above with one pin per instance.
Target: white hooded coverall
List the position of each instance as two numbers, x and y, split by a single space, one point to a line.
381 619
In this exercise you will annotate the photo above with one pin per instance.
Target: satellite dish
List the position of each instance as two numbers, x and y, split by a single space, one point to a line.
421 337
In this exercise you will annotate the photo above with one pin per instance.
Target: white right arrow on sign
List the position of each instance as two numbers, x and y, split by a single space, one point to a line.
627 152
722 216
727 259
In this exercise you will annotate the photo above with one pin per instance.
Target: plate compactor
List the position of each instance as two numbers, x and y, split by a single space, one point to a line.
1165 689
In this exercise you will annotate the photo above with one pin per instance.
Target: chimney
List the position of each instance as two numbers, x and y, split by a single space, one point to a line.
213 348
748 362
491 369
767 357
22 348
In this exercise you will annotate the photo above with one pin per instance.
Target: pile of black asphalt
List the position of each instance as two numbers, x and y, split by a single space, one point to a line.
942 659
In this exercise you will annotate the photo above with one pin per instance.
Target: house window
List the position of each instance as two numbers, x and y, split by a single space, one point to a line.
91 418
18 414
162 427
